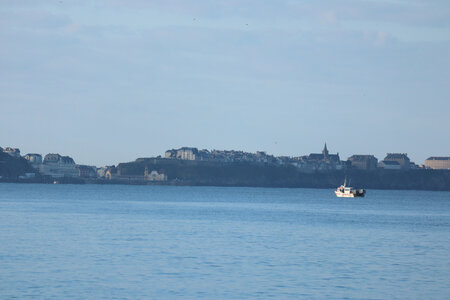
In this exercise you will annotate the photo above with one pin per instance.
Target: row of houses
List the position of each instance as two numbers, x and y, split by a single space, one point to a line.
398 161
190 153
392 161
57 166
313 161
53 165
319 161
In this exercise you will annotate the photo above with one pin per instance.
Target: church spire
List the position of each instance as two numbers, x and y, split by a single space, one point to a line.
325 150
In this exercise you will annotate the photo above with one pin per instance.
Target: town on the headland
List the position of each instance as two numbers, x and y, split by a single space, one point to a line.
191 166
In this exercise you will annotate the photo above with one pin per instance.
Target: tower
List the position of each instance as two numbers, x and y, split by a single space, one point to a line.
325 151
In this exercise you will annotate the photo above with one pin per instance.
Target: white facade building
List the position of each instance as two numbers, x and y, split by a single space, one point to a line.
58 166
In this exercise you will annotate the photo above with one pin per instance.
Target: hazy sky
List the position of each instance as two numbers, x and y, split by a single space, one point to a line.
111 81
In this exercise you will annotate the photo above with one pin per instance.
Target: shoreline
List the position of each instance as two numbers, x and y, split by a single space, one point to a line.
84 181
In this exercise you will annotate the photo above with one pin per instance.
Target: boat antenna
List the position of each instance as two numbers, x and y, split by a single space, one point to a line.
345 181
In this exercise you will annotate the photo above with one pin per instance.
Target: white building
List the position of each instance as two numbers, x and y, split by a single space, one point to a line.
438 162
57 166
155 176
187 153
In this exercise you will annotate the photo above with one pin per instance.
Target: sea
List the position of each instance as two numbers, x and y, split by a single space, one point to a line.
61 241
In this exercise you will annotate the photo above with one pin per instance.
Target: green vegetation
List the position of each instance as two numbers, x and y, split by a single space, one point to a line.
12 167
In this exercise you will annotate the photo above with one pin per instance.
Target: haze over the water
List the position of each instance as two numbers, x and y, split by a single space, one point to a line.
110 81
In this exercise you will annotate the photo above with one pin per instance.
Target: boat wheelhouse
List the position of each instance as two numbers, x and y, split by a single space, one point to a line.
349 192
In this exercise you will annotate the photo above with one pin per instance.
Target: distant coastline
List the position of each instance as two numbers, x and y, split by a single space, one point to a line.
189 166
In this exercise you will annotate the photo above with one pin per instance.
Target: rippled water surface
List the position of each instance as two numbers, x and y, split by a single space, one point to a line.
111 241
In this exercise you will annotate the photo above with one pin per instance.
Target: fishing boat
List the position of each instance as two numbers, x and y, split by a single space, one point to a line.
350 192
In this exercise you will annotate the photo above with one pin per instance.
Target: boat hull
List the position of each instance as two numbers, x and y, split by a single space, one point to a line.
345 195
349 192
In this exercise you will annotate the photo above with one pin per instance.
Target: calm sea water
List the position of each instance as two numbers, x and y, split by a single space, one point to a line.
136 242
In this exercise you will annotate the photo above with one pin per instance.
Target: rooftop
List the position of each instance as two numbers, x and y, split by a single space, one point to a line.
439 158
361 157
397 156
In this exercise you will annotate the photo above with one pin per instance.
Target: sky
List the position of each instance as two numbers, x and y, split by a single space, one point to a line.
110 81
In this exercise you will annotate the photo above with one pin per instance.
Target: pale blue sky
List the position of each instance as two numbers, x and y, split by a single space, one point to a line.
110 81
